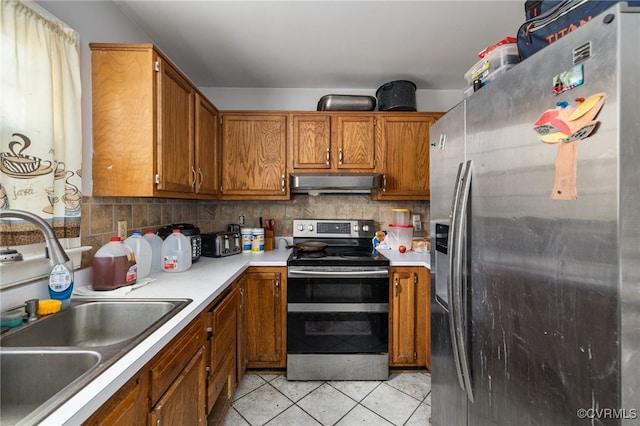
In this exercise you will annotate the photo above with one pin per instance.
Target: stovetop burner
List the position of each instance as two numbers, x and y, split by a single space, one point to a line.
355 254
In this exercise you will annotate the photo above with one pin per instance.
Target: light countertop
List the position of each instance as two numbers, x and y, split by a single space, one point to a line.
202 283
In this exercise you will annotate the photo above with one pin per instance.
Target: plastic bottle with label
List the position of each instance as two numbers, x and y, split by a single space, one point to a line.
156 250
176 252
142 250
114 266
61 282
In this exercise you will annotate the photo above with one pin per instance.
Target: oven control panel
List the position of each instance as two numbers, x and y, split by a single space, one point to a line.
329 228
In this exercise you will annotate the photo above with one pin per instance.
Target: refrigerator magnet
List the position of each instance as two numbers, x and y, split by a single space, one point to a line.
565 125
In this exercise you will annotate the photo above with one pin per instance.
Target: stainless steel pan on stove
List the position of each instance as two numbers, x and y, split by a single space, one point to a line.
309 246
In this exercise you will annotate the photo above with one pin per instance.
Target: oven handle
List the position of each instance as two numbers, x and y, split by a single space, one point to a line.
303 274
337 307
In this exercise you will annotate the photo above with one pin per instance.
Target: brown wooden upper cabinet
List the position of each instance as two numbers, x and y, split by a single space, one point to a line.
254 148
333 142
404 140
154 134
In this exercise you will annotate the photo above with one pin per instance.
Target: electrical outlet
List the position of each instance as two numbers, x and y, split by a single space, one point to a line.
417 224
122 229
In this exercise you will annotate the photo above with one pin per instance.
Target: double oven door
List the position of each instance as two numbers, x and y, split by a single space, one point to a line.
337 311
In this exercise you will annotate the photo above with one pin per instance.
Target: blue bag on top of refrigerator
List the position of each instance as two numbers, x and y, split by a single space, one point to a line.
548 21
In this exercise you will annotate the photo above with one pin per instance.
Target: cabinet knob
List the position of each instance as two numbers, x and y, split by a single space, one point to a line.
340 156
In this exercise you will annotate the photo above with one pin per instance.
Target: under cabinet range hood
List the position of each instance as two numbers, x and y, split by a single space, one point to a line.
331 183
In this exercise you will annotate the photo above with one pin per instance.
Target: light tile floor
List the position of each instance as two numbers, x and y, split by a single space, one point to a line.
269 399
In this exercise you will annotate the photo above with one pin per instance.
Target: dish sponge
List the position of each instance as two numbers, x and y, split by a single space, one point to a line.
11 319
49 306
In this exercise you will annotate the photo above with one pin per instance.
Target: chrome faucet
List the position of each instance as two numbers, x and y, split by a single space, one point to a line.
57 255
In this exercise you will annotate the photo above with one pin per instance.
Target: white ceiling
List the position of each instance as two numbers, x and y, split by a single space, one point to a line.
325 44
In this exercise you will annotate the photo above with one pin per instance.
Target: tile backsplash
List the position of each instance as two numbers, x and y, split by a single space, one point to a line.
100 215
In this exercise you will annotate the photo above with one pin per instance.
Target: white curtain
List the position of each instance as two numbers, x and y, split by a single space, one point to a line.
40 122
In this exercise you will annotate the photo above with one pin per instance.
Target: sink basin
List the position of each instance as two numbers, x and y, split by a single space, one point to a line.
92 324
30 378
46 362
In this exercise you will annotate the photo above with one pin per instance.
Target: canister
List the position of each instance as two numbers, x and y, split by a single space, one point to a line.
245 236
257 240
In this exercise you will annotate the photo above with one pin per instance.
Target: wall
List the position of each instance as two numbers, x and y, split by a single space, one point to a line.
102 21
100 215
242 98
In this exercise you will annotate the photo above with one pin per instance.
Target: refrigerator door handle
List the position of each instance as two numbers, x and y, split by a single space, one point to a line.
452 277
457 255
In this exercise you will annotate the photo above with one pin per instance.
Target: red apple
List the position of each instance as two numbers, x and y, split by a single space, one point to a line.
402 249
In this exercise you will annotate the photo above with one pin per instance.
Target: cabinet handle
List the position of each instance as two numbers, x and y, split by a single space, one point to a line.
396 285
277 288
283 183
328 156
201 177
340 156
241 298
193 171
384 183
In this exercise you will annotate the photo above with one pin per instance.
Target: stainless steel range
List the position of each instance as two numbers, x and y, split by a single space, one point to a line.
337 303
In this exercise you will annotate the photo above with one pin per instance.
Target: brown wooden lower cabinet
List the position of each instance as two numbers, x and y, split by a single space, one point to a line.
409 317
183 402
127 407
266 317
222 320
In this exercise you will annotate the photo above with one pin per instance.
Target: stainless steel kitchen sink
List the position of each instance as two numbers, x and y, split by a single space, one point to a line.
46 362
92 324
31 378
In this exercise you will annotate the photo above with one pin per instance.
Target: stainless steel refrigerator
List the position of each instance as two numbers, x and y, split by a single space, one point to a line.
535 251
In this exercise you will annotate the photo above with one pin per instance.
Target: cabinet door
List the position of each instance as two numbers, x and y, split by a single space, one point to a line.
254 156
403 317
122 95
311 143
183 403
128 406
354 138
175 131
266 318
410 327
206 148
405 140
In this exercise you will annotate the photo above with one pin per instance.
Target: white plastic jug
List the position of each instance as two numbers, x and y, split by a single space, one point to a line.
142 250
156 250
114 266
176 252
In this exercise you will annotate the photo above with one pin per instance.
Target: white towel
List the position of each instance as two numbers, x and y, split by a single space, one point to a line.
88 291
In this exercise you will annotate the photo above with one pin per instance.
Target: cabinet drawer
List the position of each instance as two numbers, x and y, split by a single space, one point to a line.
222 344
171 362
220 385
